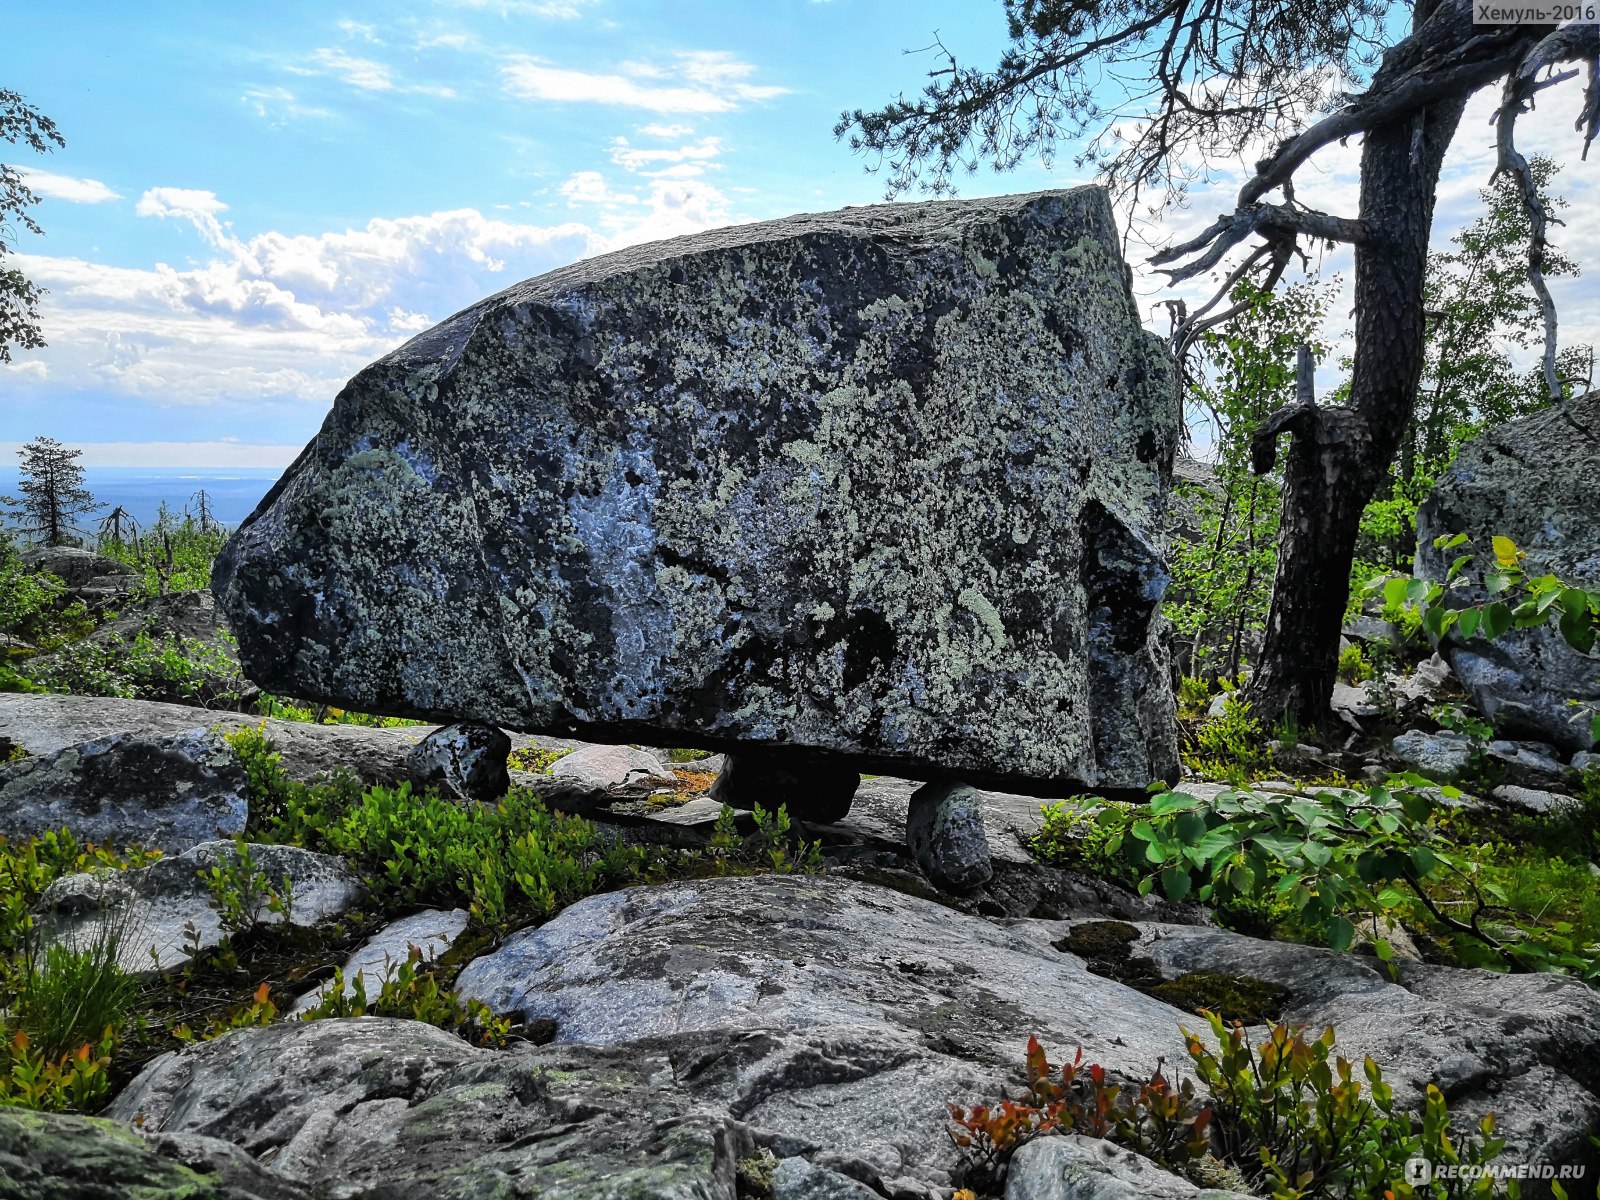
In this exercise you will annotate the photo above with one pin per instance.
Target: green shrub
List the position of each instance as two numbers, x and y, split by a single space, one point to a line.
151 667
412 992
1231 746
1353 665
534 760
33 604
516 856
1163 1123
1291 1116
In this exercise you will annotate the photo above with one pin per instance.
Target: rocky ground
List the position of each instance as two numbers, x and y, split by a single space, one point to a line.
776 1035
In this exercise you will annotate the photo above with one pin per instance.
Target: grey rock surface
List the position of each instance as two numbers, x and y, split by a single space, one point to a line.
885 484
466 762
1535 800
407 1110
1532 480
73 565
43 725
1441 756
1525 1047
945 833
164 793
797 1179
829 1022
162 913
613 769
432 932
1083 1168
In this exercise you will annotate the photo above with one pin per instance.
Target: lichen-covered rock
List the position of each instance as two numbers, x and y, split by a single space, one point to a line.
466 762
1442 756
885 484
55 1156
945 834
164 793
399 1109
1531 480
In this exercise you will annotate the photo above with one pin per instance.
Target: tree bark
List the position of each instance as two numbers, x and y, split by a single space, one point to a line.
1340 455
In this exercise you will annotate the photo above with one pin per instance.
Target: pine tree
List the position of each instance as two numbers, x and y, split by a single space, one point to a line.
52 491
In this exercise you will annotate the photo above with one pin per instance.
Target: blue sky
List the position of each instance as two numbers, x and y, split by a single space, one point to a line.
255 200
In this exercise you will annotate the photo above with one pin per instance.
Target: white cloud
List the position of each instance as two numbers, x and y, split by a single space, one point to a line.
366 33
272 317
667 132
555 10
364 74
632 158
669 207
700 81
278 104
65 187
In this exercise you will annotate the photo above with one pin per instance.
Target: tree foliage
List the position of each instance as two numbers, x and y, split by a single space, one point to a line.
52 492
1222 577
23 124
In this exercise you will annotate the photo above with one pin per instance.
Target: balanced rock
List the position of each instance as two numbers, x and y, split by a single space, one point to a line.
944 831
885 484
1531 480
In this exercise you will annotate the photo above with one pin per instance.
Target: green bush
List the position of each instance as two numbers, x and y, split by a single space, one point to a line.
515 857
151 667
412 992
1291 1116
1287 1118
1232 746
1353 665
34 606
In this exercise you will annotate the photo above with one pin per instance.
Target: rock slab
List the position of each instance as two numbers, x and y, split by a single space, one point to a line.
165 793
885 484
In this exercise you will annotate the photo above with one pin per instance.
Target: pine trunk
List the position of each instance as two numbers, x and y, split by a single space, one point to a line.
1340 455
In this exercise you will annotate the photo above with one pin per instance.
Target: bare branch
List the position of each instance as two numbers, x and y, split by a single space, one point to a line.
1521 85
1229 230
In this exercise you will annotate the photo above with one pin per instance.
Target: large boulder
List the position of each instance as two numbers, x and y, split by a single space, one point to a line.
1531 480
885 484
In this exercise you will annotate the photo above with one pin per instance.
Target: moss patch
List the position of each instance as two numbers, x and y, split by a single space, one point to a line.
1232 997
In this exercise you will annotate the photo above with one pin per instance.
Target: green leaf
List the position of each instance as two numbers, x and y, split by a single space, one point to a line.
1495 582
1317 854
1423 861
1171 802
1394 592
1175 882
1190 827
1417 590
1340 933
1496 620
1469 621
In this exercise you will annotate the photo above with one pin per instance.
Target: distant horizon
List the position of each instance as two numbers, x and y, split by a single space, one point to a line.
167 456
